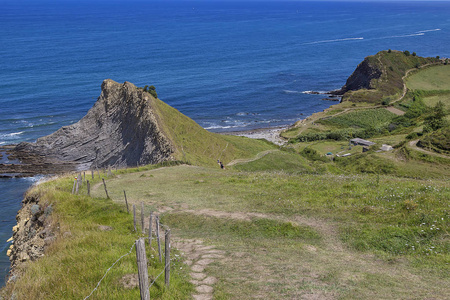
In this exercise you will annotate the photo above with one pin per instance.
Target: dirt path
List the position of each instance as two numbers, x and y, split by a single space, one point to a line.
258 156
413 145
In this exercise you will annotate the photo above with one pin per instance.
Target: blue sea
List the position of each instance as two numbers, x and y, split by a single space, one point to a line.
229 65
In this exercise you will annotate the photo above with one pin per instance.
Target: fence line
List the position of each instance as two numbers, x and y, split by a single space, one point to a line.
98 284
166 268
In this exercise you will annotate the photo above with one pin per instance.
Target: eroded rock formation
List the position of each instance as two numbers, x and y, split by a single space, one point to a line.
121 129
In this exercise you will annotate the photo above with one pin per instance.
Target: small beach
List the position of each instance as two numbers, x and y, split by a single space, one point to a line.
269 134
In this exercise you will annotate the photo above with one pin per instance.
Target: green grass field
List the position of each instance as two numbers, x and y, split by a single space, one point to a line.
360 119
435 78
380 225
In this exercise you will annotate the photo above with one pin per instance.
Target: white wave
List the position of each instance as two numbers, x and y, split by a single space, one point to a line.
334 41
16 133
429 30
292 92
406 35
10 135
220 127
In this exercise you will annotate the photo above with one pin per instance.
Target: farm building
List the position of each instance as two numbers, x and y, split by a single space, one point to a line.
358 141
386 147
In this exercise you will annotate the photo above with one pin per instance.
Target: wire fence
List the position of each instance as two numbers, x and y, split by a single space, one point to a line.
142 265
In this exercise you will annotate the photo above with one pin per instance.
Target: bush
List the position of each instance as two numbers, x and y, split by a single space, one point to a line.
406 52
414 54
412 136
312 154
436 119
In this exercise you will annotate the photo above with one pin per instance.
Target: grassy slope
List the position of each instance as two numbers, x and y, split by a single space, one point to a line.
82 253
349 234
437 78
199 146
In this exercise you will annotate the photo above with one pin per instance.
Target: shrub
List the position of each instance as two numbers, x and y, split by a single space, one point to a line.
312 154
406 52
412 136
437 119
414 54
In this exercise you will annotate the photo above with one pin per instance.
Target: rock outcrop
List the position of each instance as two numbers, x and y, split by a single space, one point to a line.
363 76
34 231
121 129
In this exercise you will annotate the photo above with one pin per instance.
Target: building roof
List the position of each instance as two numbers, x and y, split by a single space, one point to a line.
362 142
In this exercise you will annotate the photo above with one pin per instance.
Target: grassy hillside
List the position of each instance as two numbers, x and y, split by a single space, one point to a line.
437 78
82 252
198 146
295 234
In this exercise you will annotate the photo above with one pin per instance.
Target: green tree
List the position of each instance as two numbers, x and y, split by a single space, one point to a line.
406 52
436 119
152 91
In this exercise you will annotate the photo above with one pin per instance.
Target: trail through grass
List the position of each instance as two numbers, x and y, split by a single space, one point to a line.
291 236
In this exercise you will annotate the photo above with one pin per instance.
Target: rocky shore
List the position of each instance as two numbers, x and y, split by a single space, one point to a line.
35 230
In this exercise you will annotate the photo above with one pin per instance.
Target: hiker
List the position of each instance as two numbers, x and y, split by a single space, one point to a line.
221 165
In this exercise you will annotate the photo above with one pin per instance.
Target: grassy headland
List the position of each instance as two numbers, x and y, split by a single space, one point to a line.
293 222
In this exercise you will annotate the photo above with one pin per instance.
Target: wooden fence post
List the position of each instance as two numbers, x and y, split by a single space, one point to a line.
141 259
134 217
167 258
126 202
84 176
92 174
73 188
150 224
88 188
106 191
158 239
78 185
142 217
80 180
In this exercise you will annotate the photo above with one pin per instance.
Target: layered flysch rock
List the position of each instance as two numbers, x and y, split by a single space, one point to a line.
121 129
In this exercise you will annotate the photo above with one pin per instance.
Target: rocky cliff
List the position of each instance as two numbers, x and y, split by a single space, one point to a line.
121 129
34 231
363 76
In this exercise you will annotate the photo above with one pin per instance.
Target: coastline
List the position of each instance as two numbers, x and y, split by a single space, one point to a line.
271 134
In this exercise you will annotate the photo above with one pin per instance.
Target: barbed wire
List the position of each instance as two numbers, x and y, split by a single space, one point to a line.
128 253
158 275
98 284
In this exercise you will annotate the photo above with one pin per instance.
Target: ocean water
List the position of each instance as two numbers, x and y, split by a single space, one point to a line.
229 65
